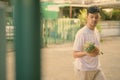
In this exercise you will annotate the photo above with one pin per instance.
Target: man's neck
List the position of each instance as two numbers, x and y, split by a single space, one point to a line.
90 27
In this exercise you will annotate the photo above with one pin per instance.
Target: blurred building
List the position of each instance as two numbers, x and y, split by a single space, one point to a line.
71 8
79 1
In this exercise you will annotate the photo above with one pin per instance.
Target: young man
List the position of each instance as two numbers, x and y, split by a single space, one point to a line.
87 65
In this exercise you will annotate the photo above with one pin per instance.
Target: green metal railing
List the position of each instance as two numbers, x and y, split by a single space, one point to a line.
27 39
54 31
61 30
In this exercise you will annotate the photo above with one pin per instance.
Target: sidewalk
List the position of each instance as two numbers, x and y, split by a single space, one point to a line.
111 59
57 61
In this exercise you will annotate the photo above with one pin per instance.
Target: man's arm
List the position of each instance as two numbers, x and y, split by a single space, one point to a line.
78 54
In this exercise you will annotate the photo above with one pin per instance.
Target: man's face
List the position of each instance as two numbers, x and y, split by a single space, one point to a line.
92 19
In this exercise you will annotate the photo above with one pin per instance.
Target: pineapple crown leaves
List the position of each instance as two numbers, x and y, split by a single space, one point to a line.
89 47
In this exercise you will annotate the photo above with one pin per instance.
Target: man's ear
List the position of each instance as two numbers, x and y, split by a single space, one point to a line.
86 16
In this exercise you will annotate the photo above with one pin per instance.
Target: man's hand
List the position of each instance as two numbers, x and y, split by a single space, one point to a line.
94 53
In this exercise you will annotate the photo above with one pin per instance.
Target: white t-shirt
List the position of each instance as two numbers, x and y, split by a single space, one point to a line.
86 62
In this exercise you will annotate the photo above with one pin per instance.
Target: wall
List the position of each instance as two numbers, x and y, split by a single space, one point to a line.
110 28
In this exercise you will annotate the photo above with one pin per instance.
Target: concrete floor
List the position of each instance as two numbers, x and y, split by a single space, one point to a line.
57 61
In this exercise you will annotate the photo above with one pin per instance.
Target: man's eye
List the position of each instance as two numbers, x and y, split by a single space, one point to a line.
91 17
96 17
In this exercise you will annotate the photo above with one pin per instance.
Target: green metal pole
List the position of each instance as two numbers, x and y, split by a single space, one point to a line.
2 42
27 39
46 32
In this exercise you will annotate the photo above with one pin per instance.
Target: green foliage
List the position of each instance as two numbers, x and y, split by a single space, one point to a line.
9 21
112 15
99 28
105 15
115 14
82 17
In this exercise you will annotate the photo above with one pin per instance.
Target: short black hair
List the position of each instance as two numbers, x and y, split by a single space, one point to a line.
93 9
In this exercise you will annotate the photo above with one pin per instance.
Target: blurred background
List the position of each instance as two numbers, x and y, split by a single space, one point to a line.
59 22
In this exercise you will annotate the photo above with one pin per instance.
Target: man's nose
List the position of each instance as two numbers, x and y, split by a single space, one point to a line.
94 19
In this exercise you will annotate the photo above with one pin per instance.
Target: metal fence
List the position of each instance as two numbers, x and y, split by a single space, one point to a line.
59 30
9 32
55 31
62 30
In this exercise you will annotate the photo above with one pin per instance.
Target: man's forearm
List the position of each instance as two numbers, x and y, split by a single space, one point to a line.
78 54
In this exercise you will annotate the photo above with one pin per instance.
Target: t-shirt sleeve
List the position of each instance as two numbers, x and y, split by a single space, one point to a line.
79 42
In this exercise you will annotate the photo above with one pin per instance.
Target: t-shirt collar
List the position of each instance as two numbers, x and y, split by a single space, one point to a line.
89 29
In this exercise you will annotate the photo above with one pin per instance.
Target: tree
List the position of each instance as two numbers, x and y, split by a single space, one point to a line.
82 17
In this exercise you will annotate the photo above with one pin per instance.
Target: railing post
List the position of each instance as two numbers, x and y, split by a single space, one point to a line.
27 39
2 41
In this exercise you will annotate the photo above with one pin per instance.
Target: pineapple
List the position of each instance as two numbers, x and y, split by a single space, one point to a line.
89 47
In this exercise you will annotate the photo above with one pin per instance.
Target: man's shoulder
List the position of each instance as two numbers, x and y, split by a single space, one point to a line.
82 30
